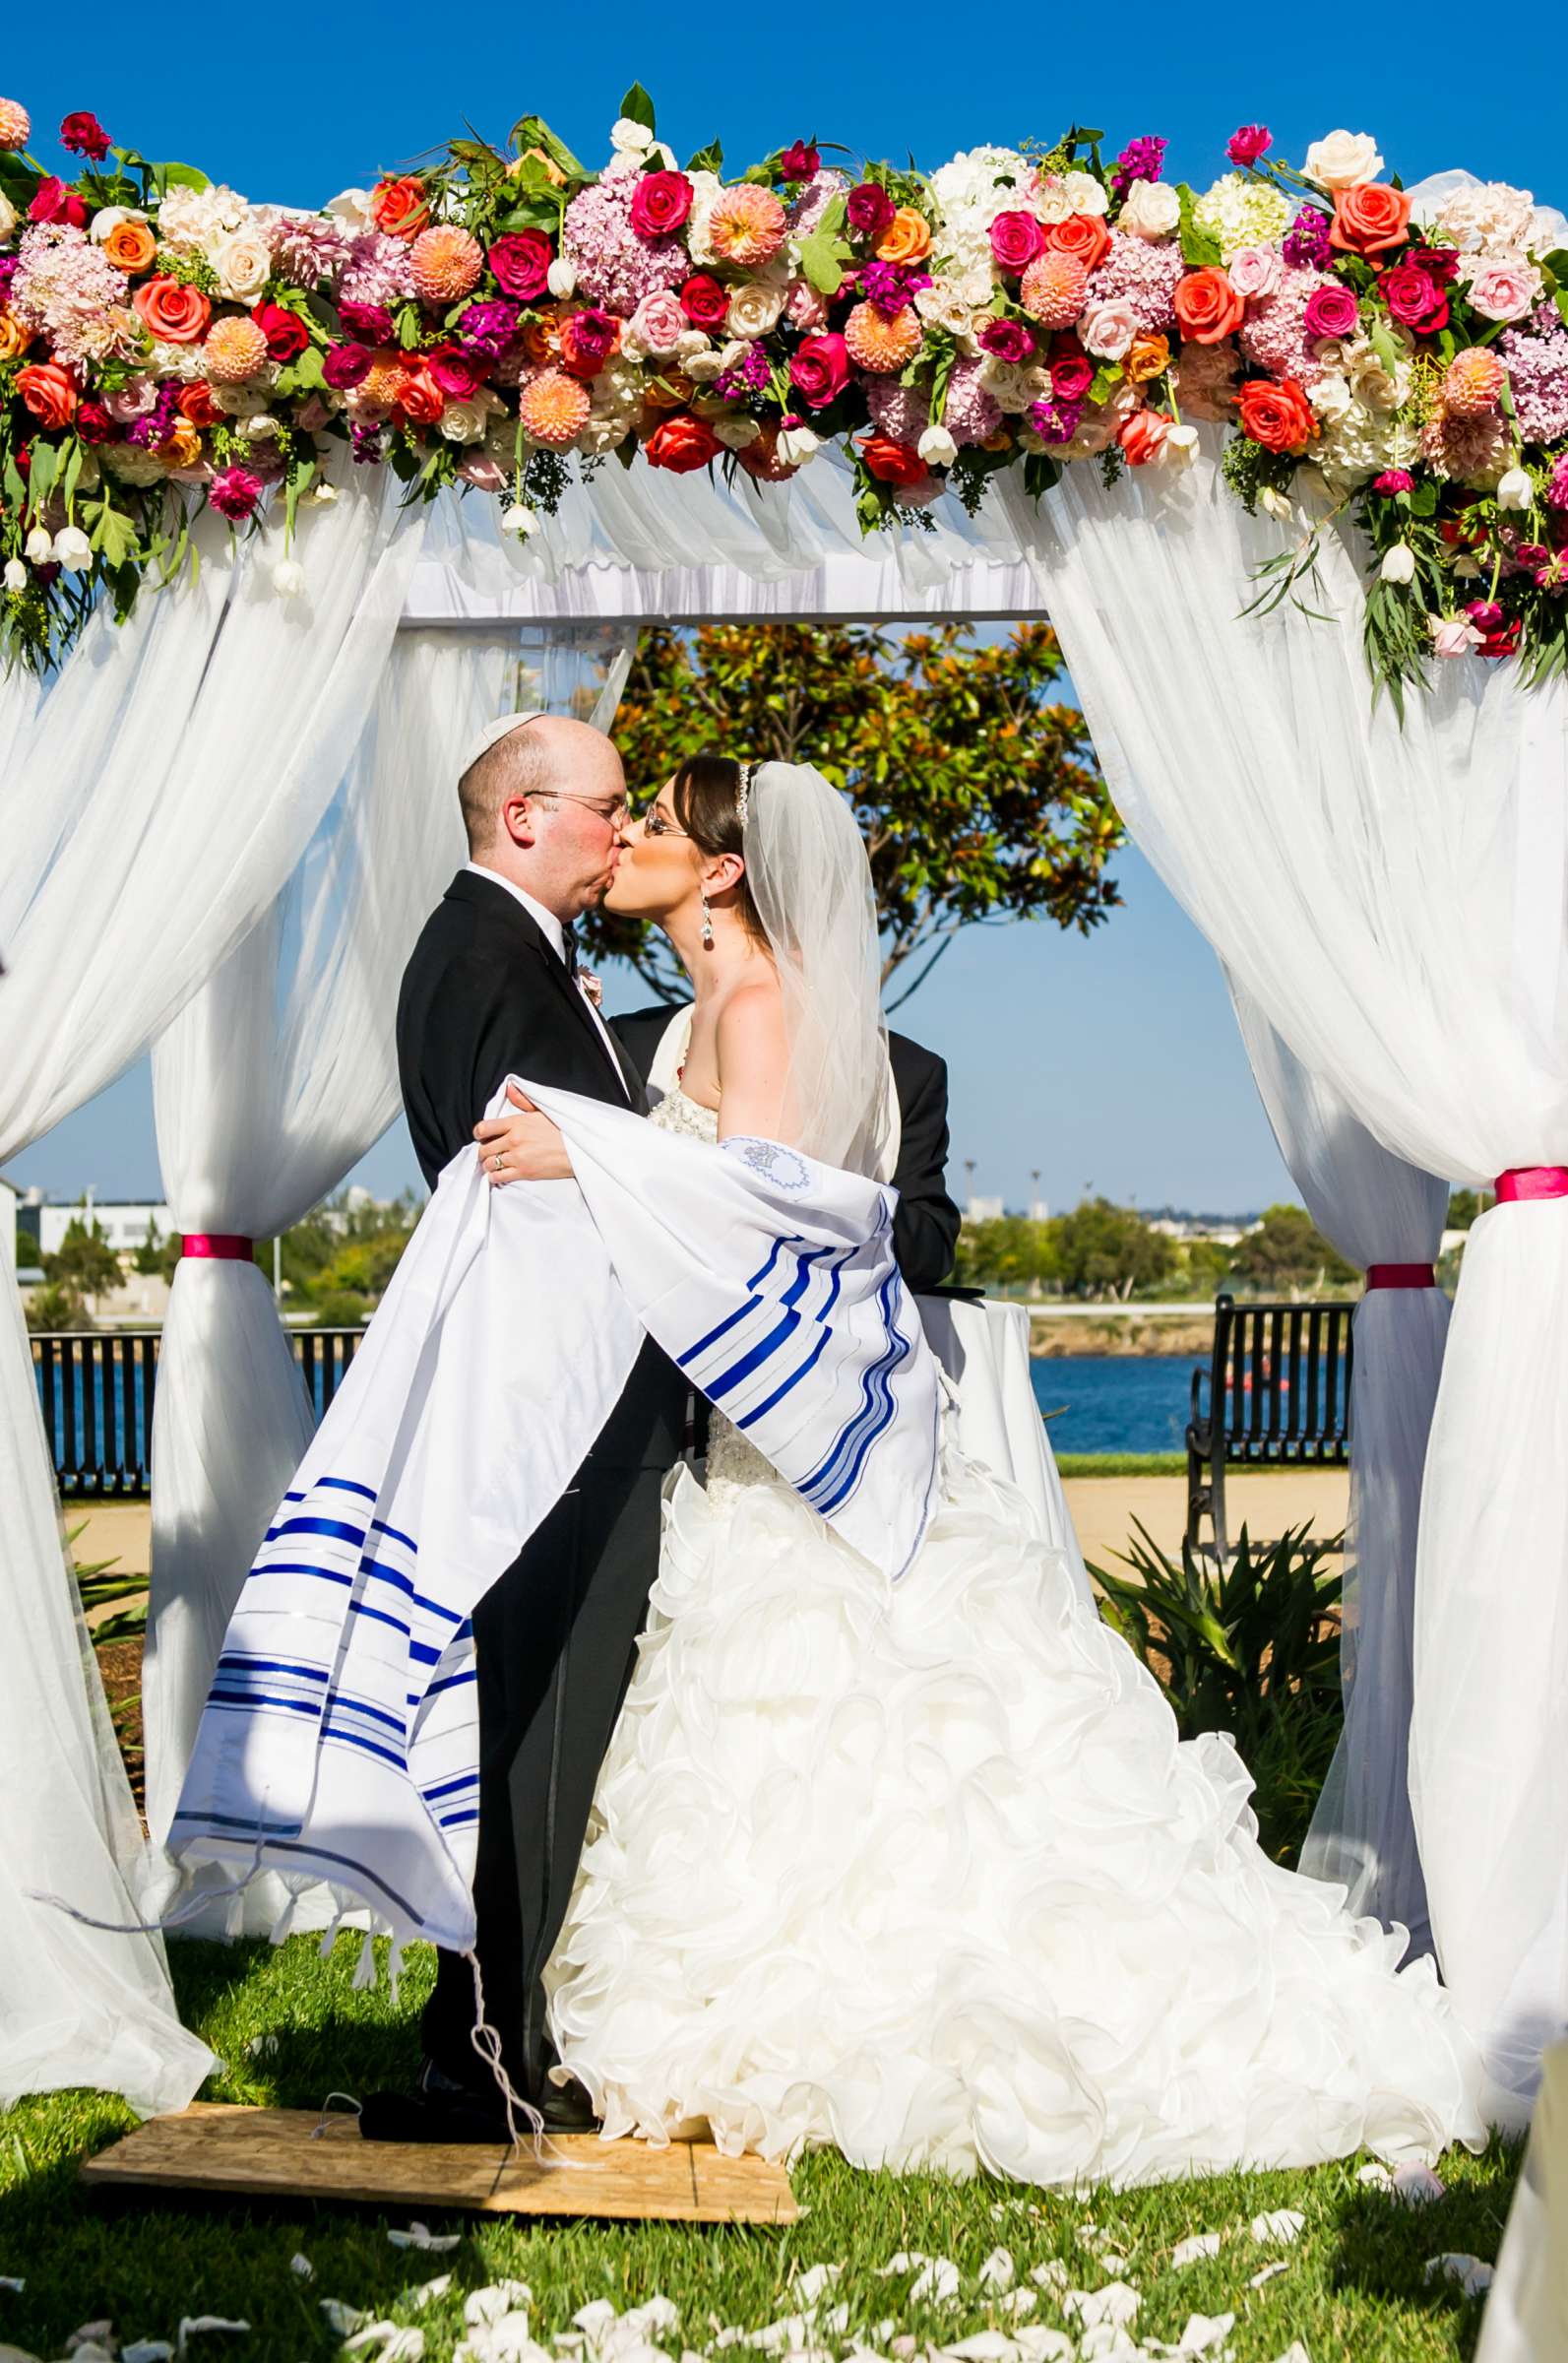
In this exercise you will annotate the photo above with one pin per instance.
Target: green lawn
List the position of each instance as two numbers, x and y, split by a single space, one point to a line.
1352 2287
1122 1464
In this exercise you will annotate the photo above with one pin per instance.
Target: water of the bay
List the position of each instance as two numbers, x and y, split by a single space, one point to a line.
1114 1402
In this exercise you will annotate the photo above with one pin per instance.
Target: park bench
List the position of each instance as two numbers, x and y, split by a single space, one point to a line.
1277 1391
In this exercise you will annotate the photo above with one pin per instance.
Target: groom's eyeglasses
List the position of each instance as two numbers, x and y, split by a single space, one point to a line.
616 814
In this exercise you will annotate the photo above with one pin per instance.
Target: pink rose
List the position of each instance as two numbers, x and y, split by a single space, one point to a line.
1415 298
1331 311
53 201
131 401
661 204
521 263
1108 331
1244 147
1015 240
658 323
1504 289
821 369
1255 272
1455 636
803 307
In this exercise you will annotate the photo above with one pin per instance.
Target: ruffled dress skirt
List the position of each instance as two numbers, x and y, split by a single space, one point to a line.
924 1872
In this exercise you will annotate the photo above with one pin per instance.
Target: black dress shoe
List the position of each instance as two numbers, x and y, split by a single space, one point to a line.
567 2109
443 2110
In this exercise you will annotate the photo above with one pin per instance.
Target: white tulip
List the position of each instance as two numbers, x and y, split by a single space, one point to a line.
1515 490
937 448
1274 504
796 445
15 576
1398 564
561 278
322 494
1179 448
8 218
72 549
519 519
289 578
39 546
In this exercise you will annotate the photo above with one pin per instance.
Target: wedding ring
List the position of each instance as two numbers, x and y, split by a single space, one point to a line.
497 1162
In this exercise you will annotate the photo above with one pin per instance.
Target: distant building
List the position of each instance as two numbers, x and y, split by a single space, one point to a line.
123 1223
1039 1211
8 1226
984 1210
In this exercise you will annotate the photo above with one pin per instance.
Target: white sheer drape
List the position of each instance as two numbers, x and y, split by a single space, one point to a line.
1376 1209
160 793
1393 900
269 1087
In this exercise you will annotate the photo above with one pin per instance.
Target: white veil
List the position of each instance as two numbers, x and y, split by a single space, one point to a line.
811 882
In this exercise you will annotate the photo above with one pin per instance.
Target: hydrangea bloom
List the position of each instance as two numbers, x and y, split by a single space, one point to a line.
1144 274
1241 212
1537 374
971 415
970 192
615 267
901 412
193 221
1274 334
310 250
378 270
64 286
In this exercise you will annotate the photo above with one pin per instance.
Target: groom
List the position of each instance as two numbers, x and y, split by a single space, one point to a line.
491 988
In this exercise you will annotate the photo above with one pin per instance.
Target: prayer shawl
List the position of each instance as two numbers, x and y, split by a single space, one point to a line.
339 1737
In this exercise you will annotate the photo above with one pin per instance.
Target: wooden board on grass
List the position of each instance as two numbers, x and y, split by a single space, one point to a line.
279 2153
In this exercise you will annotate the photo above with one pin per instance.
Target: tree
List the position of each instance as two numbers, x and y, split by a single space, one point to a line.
56 1308
1005 1253
974 784
84 1264
1287 1251
1106 1250
1464 1207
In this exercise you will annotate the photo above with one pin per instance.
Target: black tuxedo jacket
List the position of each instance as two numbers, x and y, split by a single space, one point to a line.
485 994
925 1226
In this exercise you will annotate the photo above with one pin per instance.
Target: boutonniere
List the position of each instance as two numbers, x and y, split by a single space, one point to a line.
589 987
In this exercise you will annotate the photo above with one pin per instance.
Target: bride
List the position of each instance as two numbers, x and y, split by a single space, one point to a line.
922 1870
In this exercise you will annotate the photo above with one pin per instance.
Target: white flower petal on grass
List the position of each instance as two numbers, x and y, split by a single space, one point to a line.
91 2334
427 2292
146 2351
192 2325
1417 2185
936 2280
342 2319
998 2272
1374 2177
1471 2273
507 2340
1052 2274
1267 2273
1111 2261
500 2297
420 2235
1204 2333
304 2266
1017 2301
9 2280
984 2346
1116 2303
261 2047
657 2315
1295 2352
1043 2345
1108 2342
1196 2245
1278 2228
809 2285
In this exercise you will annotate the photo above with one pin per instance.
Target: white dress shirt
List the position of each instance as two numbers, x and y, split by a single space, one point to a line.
554 934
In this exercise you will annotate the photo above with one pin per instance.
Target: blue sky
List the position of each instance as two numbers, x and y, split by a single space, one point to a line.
1112 1062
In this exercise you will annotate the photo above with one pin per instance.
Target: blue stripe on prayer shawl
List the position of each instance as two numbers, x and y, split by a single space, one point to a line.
835 1273
768 1346
296 1706
456 1821
358 1608
392 1534
242 1662
444 1788
347 1485
879 1380
874 1410
294 1496
377 1714
256 1829
750 1306
295 1567
352 1738
331 1527
448 1682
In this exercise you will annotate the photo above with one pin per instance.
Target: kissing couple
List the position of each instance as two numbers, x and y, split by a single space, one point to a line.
802 1800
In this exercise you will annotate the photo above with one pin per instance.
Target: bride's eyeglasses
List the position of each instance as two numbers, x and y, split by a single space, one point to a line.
655 825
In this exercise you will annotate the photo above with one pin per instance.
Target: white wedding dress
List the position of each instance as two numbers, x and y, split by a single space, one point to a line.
924 1872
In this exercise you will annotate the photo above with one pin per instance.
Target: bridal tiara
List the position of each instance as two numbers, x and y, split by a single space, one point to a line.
743 793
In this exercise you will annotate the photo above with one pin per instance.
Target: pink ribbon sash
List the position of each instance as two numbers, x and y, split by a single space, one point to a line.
1532 1181
222 1247
1400 1275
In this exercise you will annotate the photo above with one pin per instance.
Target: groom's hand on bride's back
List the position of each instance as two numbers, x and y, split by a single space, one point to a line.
524 1146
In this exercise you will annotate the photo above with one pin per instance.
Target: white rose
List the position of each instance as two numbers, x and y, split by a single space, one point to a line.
1343 160
462 421
1331 398
243 263
322 494
704 367
690 342
796 445
258 428
942 303
351 207
8 218
1398 564
1153 210
15 575
629 138
754 310
1083 193
1515 490
289 578
1050 201
561 278
109 217
737 433
39 546
519 519
937 448
1180 447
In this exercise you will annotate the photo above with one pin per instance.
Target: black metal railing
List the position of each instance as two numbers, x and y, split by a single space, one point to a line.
1277 1391
97 1389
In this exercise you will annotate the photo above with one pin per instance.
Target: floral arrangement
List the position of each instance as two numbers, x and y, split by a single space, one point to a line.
505 316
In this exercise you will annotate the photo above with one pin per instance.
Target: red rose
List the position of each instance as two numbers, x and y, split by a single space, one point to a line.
1008 339
1015 240
893 463
347 366
800 162
1414 299
93 423
521 263
1370 220
660 203
457 373
589 339
53 201
285 332
85 135
48 391
870 209
703 301
681 444
370 323
1072 370
819 369
418 396
1277 415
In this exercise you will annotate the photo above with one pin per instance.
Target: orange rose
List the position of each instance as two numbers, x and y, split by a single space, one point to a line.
14 338
197 405
1278 417
1002 440
172 312
401 208
907 238
1371 220
418 396
1207 307
1147 357
48 391
672 391
893 462
681 444
1082 234
1143 437
130 247
184 445
542 338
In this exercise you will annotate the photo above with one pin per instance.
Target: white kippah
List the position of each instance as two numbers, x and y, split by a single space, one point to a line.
494 731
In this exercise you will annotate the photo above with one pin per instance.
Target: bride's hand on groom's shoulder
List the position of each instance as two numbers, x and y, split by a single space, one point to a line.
524 1147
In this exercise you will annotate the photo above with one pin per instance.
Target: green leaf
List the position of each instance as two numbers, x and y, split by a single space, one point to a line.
1197 247
708 159
1383 344
824 254
112 533
181 176
535 212
638 108
532 131
410 327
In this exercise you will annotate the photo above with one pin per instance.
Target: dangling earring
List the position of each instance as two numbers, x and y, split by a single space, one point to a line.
707 926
